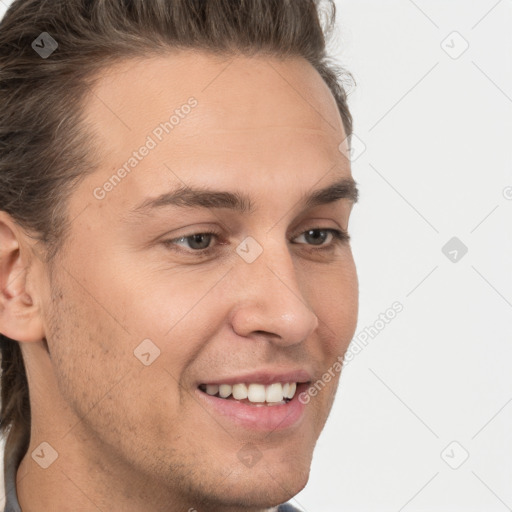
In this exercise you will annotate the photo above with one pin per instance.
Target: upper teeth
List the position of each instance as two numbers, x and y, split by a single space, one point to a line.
254 392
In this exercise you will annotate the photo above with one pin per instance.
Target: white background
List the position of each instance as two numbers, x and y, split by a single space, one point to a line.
436 132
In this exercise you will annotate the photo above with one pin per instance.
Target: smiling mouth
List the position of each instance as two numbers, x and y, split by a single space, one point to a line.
278 393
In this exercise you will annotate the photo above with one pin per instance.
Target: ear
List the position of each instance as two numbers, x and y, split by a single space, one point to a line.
20 314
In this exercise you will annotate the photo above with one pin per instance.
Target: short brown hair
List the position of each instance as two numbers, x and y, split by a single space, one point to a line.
45 148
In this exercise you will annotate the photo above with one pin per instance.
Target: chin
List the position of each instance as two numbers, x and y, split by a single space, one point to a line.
265 485
253 492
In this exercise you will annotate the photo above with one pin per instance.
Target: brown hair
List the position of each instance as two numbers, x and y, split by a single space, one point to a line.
44 146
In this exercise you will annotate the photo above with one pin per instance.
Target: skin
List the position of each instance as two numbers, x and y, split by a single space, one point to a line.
133 437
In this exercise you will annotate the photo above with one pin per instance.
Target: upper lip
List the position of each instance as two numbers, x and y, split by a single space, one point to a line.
264 376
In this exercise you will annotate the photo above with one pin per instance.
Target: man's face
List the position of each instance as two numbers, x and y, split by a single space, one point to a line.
143 316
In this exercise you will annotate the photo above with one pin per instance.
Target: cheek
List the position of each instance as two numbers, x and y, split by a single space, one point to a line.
86 347
122 400
177 311
333 295
128 315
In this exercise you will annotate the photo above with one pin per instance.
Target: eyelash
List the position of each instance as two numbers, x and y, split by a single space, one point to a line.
340 237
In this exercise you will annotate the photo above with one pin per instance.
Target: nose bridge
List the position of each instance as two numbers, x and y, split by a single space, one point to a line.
269 297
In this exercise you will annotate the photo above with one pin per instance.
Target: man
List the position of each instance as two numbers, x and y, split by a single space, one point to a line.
175 266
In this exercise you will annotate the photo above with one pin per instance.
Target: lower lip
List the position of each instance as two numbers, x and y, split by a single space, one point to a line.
264 418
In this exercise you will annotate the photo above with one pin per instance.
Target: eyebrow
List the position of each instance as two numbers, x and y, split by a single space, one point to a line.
203 197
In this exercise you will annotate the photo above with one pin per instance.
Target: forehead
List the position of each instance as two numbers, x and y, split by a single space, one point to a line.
236 91
257 120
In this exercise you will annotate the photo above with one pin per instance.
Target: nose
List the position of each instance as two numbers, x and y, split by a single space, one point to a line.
269 301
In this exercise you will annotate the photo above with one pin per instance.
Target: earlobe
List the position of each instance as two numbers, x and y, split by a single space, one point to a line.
20 317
